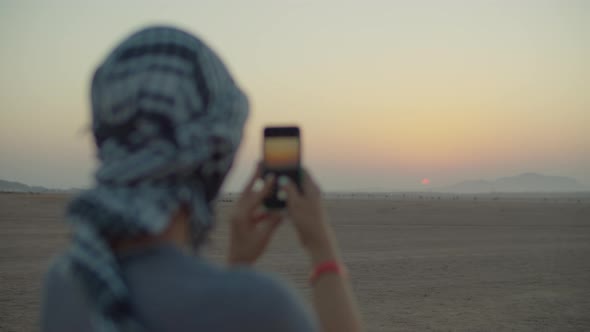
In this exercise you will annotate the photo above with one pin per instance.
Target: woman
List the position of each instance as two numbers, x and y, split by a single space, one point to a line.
167 120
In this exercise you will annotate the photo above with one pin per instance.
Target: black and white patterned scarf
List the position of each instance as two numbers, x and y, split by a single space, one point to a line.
167 119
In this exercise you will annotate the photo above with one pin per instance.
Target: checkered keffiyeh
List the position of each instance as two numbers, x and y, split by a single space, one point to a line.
167 119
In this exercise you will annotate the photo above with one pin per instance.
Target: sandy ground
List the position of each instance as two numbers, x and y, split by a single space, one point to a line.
489 263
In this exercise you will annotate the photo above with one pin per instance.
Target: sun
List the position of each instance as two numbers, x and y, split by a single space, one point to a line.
425 181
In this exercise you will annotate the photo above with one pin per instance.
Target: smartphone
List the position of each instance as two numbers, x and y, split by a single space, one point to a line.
282 156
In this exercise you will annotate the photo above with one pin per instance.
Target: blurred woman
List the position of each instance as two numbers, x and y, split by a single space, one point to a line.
167 119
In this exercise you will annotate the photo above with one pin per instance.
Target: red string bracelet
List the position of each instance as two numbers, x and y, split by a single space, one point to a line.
324 268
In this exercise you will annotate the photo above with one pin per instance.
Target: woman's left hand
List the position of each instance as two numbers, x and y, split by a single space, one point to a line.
251 226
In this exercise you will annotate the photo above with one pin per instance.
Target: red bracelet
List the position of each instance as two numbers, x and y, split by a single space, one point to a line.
326 267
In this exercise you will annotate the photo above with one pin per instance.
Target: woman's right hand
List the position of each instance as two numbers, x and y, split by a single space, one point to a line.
307 213
334 302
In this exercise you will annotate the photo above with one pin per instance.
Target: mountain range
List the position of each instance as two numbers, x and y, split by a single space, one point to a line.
11 186
526 182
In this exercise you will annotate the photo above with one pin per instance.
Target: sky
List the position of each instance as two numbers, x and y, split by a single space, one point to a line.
387 93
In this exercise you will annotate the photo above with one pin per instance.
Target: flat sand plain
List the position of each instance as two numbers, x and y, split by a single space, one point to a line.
458 263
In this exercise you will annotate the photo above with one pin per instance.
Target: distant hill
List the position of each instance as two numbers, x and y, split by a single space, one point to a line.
11 186
17 187
526 182
471 186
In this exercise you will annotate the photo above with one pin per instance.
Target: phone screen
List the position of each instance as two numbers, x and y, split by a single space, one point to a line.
281 153
282 157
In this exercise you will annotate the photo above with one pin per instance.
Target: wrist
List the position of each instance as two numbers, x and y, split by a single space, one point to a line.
326 267
322 246
323 251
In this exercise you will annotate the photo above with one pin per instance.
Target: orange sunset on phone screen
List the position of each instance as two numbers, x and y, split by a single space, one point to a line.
281 152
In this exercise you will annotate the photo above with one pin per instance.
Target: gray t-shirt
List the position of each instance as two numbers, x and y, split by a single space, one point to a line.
175 291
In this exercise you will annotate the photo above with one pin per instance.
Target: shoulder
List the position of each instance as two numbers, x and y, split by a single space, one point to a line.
201 296
194 294
266 287
62 301
267 302
56 275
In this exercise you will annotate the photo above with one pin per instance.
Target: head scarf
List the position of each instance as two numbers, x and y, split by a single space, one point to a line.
167 118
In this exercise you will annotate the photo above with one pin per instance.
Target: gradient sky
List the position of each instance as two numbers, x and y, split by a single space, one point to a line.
386 92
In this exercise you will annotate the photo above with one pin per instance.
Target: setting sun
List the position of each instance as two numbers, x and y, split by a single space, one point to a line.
425 181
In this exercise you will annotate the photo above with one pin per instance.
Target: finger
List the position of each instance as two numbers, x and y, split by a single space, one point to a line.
269 183
290 188
257 174
258 197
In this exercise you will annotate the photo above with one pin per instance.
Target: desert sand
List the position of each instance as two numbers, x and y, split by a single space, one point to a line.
417 262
